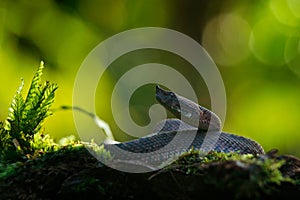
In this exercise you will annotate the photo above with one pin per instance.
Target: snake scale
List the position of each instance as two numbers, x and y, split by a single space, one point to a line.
195 127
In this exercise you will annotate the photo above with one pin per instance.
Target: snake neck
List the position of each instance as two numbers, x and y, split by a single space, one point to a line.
188 111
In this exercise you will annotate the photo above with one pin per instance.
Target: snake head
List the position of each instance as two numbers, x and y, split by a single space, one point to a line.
188 111
169 100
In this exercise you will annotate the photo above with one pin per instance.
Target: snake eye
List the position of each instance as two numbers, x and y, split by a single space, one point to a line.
171 97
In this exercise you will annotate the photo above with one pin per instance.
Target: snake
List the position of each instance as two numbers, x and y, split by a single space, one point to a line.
195 127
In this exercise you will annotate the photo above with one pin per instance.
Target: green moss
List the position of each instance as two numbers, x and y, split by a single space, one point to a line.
7 170
193 156
232 171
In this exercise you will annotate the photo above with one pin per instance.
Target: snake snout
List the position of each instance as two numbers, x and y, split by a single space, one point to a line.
161 94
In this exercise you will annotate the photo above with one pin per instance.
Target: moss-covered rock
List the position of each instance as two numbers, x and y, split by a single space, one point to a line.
73 173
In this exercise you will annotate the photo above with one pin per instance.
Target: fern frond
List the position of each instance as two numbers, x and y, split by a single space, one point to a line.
37 104
16 109
48 98
32 109
43 110
4 137
35 83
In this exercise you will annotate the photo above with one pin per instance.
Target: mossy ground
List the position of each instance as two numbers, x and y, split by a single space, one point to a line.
71 172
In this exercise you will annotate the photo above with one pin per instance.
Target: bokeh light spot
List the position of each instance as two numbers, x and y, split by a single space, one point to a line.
283 13
294 6
226 39
292 54
268 43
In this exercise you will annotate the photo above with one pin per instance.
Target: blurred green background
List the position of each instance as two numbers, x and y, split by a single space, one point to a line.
255 44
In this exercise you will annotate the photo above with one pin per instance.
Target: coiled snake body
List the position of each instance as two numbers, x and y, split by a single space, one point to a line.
199 128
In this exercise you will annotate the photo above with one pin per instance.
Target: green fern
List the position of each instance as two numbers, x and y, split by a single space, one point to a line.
26 116
3 137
